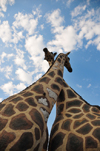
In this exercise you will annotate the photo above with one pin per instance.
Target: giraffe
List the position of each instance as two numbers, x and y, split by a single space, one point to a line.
77 123
23 116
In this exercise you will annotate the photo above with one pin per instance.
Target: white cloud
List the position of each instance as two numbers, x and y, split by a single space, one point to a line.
24 76
88 26
27 22
69 2
78 10
5 32
79 86
19 59
20 86
5 55
10 89
8 71
67 39
17 36
37 77
2 56
34 45
89 86
54 18
3 5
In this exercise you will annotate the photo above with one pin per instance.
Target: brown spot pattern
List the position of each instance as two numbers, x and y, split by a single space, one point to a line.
45 79
86 108
66 125
74 110
37 118
90 116
27 94
25 142
38 89
61 96
64 84
54 129
1 106
78 116
90 142
68 115
60 108
3 123
46 141
79 122
60 73
85 129
96 133
22 106
8 111
15 100
95 109
73 103
58 80
55 87
5 139
20 122
96 123
52 74
74 143
71 94
31 101
37 133
56 141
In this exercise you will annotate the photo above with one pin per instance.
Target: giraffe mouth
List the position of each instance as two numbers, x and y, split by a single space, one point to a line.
45 50
70 69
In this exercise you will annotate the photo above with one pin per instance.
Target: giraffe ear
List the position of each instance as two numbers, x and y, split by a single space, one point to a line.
55 54
68 53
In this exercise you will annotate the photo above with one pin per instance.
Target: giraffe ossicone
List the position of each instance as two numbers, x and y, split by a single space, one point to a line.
23 116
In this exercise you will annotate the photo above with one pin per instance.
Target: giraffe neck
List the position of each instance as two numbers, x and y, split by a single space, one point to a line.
46 90
71 103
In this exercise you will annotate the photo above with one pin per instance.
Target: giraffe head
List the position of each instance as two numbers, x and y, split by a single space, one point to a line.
49 56
67 63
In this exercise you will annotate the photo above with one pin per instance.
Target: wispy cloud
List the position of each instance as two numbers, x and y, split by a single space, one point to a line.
54 18
9 88
89 86
69 2
65 38
78 10
5 32
88 25
79 86
3 6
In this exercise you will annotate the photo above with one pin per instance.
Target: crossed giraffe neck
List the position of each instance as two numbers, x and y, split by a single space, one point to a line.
77 123
23 116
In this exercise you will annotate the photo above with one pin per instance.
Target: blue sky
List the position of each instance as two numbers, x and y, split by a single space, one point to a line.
27 26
